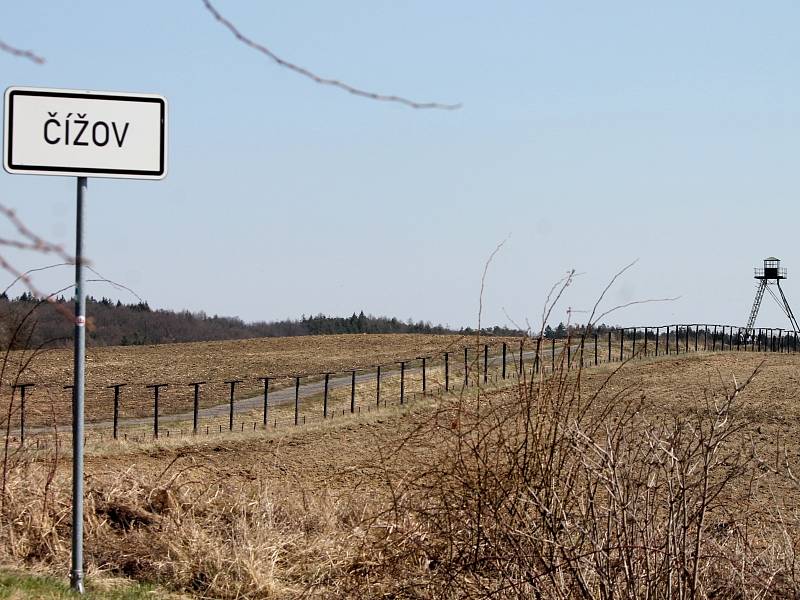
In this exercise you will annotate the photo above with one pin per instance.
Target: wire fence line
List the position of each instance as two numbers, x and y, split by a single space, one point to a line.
187 408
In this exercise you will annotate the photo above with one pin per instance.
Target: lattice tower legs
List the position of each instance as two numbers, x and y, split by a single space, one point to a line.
762 286
788 309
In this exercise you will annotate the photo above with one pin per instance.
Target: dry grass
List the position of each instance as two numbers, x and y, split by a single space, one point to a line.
659 481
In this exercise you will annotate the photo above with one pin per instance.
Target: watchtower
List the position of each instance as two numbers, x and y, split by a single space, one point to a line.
770 274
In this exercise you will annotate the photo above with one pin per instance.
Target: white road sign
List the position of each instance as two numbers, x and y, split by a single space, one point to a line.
84 133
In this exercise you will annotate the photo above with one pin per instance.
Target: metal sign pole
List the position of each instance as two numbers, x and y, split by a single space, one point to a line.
37 141
76 574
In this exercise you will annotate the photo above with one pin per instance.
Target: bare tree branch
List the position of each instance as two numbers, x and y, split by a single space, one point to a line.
593 319
559 287
34 242
633 303
613 280
31 242
29 271
21 53
316 78
119 286
101 278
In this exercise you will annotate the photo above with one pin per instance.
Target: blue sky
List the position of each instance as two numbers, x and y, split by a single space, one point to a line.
592 134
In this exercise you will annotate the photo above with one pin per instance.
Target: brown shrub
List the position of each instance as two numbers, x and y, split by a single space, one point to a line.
552 492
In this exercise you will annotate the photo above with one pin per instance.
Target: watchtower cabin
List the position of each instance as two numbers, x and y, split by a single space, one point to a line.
771 270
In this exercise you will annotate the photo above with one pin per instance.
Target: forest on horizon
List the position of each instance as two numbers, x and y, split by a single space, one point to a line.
113 323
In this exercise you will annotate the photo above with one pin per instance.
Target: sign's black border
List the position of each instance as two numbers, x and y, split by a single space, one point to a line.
122 97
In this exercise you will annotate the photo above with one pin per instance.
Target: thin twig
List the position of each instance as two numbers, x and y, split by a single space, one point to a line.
114 283
634 303
316 78
29 271
39 243
21 53
100 276
483 281
592 320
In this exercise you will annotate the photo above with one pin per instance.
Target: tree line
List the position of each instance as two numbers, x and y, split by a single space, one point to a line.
112 323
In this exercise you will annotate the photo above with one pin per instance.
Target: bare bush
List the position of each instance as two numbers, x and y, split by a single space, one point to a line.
551 492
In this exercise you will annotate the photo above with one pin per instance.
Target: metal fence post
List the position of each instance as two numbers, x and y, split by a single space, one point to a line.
505 349
195 404
646 333
156 387
325 394
621 344
553 355
658 338
232 383
424 375
633 347
353 392
521 347
378 388
447 369
116 388
296 400
466 366
265 408
537 361
595 349
403 379
609 345
21 387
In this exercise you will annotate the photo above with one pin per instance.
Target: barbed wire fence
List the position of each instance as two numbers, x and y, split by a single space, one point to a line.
155 410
